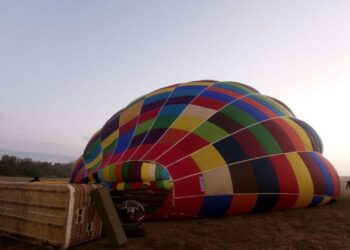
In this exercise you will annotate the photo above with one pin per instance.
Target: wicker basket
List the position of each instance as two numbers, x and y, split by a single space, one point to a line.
50 215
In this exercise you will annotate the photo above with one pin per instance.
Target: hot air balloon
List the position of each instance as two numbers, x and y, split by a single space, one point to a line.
210 148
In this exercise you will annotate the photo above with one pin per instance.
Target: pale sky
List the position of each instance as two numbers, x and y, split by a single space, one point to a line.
68 66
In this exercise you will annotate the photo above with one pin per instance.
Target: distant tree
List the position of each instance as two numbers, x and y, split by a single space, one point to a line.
13 166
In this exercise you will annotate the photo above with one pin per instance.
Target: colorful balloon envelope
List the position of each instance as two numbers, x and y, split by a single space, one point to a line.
215 148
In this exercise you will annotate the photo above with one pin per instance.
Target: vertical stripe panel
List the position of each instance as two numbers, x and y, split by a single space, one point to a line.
301 133
305 185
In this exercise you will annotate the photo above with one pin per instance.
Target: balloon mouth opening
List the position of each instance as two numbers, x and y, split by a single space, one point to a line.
152 200
146 182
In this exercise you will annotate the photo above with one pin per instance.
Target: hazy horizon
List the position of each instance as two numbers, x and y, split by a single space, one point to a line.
67 67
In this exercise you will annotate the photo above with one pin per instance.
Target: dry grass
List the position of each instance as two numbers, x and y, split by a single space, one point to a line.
325 227
26 179
16 179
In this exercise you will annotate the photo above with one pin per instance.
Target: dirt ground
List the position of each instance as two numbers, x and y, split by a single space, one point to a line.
325 227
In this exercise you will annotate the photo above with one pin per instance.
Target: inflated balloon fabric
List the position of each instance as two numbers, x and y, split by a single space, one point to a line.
220 148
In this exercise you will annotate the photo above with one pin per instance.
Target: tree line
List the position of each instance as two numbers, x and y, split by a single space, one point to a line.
13 166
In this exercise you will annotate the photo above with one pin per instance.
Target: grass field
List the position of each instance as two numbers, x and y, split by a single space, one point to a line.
325 227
